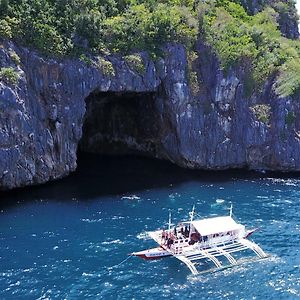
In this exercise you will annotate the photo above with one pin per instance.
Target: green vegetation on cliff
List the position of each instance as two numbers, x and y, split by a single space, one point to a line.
9 75
253 43
240 39
73 26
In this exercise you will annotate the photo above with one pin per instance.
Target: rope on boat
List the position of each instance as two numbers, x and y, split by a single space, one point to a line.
123 261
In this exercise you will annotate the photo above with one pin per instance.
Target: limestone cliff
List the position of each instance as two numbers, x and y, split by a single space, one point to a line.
189 113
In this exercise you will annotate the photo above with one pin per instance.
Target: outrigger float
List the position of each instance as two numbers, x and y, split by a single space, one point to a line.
195 240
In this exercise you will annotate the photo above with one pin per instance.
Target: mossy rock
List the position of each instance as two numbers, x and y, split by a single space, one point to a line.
262 112
15 57
9 75
135 62
105 66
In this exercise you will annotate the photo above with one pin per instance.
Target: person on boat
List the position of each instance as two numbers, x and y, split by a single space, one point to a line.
163 235
166 236
186 231
196 236
169 242
192 242
175 232
181 231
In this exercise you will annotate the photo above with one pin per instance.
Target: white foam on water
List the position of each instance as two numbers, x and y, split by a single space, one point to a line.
91 220
143 236
28 270
287 182
112 242
219 201
131 197
87 274
117 217
15 284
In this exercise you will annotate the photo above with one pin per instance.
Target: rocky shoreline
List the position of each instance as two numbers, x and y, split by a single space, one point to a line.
186 111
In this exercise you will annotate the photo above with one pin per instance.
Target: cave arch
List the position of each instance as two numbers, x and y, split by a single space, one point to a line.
121 123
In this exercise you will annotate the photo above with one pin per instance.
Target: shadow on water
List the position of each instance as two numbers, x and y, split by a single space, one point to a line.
99 176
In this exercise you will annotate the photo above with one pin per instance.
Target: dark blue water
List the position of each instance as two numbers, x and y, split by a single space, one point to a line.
59 240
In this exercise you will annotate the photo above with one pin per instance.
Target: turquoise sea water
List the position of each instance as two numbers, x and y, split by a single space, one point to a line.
59 241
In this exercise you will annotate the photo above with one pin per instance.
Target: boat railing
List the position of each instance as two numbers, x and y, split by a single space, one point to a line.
220 240
181 246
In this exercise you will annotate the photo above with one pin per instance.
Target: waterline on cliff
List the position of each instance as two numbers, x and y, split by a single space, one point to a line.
124 176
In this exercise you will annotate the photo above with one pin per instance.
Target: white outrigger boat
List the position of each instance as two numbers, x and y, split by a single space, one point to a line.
194 240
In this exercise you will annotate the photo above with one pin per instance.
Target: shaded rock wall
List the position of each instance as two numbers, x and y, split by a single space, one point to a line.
220 127
41 118
57 104
123 122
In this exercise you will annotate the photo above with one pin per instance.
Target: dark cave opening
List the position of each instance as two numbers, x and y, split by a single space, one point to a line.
120 123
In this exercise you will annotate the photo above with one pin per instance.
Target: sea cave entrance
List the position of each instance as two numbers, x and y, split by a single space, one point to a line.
120 123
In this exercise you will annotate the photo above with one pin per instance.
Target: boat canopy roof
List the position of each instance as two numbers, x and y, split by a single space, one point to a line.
216 225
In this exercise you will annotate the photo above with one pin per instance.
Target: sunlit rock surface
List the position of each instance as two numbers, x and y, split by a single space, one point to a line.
210 123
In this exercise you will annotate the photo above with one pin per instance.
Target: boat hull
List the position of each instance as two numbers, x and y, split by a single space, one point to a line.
153 253
249 232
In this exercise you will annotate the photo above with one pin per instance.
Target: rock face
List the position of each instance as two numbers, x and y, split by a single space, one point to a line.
42 117
157 111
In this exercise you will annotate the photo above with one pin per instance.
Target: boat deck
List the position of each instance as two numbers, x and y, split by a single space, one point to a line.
191 255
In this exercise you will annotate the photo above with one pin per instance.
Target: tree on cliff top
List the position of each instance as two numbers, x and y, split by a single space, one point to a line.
238 36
